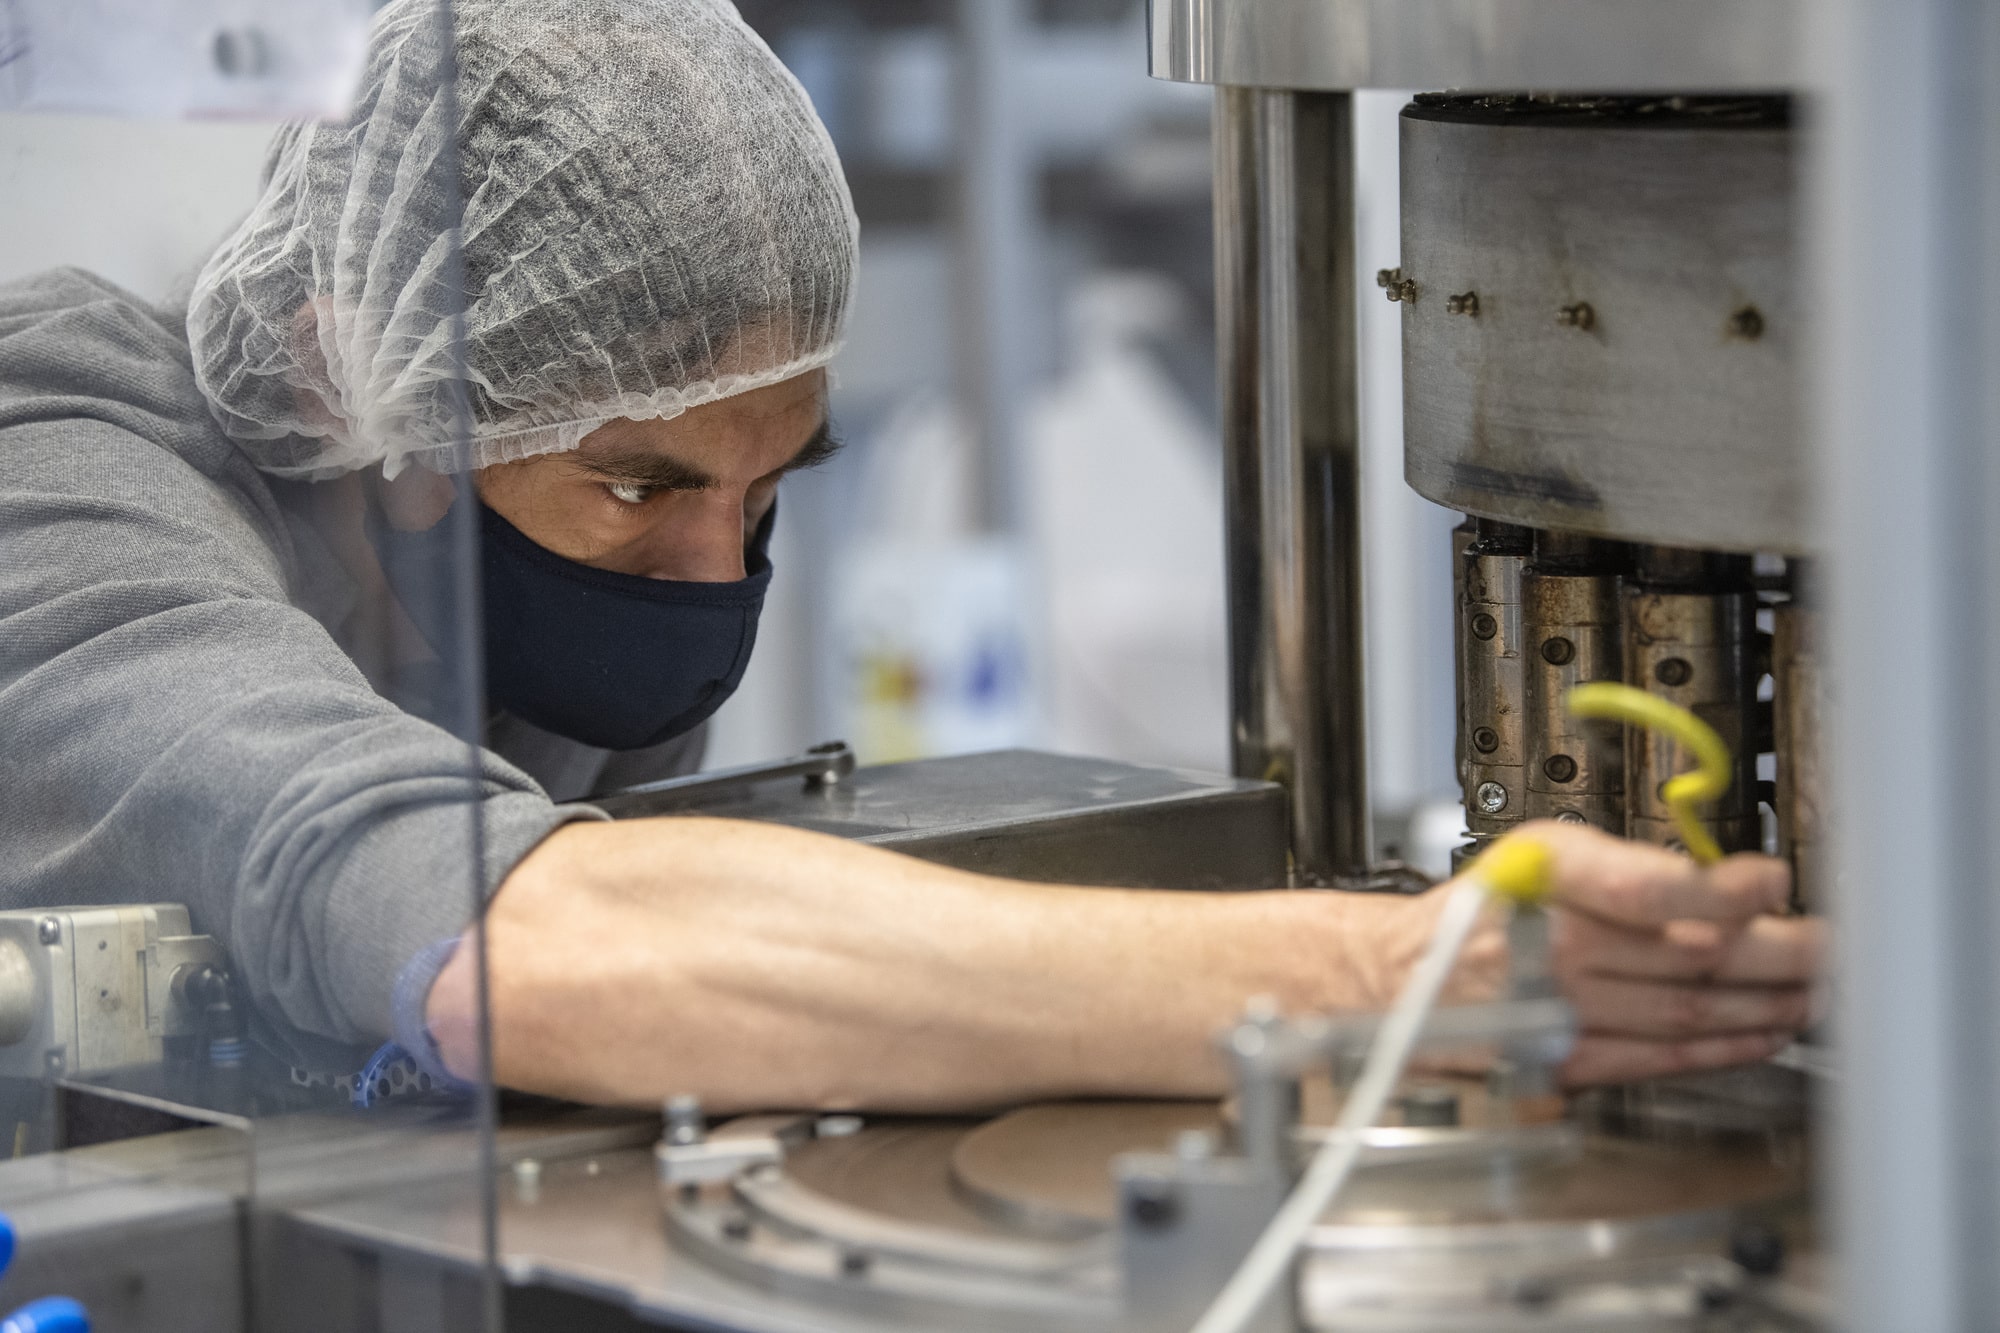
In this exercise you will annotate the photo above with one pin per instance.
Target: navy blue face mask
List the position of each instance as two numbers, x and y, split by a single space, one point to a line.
612 660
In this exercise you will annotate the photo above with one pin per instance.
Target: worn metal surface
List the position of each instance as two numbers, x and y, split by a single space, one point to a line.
1572 634
1040 816
1492 683
1693 649
88 988
1798 687
1679 45
1284 227
1632 370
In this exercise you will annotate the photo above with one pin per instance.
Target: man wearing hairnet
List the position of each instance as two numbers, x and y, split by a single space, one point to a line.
658 254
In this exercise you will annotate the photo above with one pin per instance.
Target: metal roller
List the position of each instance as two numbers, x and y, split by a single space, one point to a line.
1492 686
1571 620
1690 622
1797 697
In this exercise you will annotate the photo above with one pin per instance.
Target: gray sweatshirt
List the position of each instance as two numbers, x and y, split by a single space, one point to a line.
178 719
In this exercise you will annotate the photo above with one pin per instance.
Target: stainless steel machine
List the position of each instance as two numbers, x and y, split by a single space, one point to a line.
1707 389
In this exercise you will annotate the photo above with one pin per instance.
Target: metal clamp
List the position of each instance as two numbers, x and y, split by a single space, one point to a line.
823 766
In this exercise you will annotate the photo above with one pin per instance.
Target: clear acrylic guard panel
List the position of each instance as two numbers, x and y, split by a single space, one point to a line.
241 706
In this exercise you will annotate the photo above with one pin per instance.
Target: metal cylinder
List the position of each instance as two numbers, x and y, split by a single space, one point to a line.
1599 315
1690 622
1491 688
1796 695
1284 229
1573 633
1462 538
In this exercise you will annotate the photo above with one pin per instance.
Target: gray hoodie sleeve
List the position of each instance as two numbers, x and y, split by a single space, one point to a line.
172 727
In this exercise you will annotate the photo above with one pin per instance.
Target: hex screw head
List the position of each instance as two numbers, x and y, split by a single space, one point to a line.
1757 1250
1153 1204
1747 323
1558 652
1491 798
1559 768
1485 740
1673 671
49 931
1578 316
685 1123
1484 626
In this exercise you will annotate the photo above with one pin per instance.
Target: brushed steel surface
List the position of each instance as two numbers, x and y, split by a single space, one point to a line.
1671 413
1284 227
1679 45
1492 684
1711 634
1049 817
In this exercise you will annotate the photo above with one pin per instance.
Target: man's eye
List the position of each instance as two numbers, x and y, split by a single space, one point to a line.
629 492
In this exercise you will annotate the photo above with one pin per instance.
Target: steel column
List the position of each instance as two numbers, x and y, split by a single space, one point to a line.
1909 238
1285 299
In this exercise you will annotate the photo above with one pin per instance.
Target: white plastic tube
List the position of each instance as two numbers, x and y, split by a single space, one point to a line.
1270 1258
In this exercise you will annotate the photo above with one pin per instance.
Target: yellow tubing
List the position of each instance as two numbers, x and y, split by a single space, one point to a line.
1685 792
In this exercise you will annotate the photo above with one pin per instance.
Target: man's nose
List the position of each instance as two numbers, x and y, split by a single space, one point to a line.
707 548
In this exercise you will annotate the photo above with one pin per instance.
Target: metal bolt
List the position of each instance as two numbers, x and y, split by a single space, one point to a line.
1578 316
1152 1203
1558 652
1673 671
1484 626
1429 1108
1757 1250
1534 1293
49 931
1491 798
1394 285
685 1124
1485 740
1559 768
837 1126
1747 323
1194 1145
1570 817
1466 303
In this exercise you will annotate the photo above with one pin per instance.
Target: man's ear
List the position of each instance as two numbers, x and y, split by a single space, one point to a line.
416 498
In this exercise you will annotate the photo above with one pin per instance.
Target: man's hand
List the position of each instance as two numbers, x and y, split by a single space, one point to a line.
1671 966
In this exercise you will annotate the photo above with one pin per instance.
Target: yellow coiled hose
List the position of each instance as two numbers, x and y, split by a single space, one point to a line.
1684 793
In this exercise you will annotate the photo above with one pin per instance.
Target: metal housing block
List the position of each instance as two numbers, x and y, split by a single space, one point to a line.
1601 333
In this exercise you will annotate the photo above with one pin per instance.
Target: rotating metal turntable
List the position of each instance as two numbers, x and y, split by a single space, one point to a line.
1048 1216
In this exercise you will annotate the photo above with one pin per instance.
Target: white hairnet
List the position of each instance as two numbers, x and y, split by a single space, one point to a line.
654 218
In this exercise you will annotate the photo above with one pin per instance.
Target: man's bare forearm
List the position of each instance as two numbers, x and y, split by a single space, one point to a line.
762 967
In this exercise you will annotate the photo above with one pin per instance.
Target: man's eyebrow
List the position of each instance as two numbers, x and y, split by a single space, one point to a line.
635 465
824 445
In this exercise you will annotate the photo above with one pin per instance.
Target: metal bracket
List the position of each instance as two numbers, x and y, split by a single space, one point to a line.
823 766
